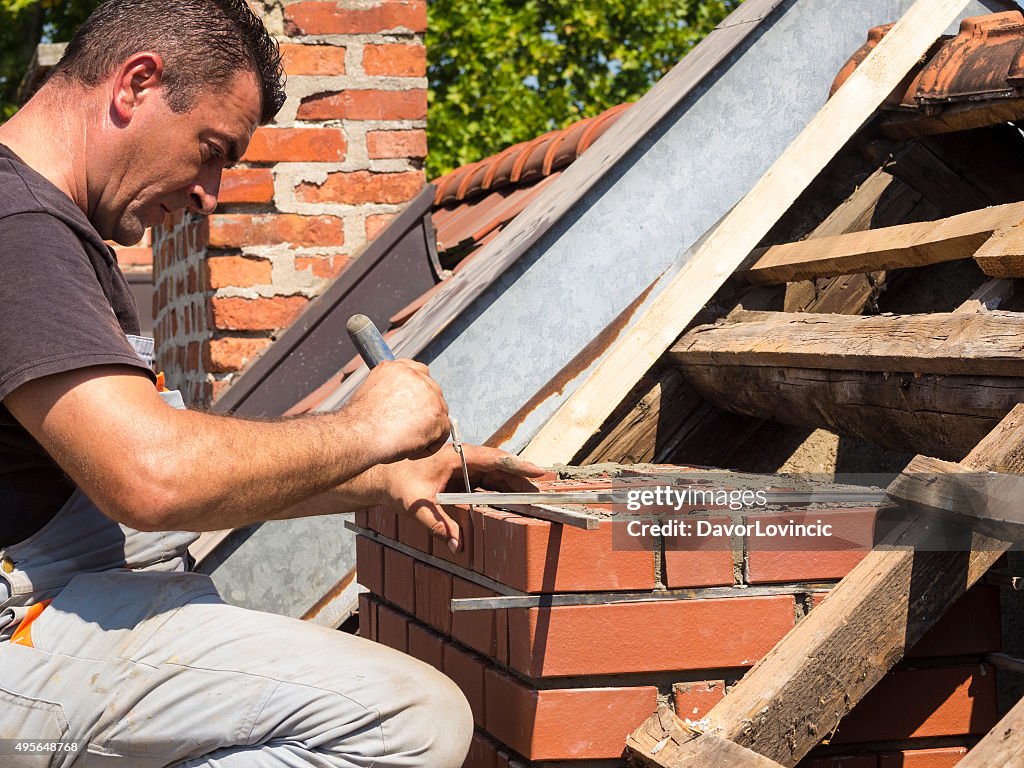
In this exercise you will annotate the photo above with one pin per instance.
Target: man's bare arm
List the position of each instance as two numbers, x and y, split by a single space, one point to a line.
152 467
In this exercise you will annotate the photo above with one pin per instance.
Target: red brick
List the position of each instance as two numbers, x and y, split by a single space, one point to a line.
370 564
376 223
331 18
945 757
694 700
467 671
297 145
534 723
537 556
433 597
482 754
395 60
237 272
682 634
973 625
324 267
921 703
246 185
399 585
236 230
397 144
365 105
360 187
309 59
704 561
230 354
384 522
367 617
806 559
413 533
474 629
462 517
392 629
426 646
268 314
137 256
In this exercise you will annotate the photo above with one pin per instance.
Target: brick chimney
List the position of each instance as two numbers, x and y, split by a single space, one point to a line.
339 161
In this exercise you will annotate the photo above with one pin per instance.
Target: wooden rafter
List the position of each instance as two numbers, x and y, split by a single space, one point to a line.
797 694
974 344
906 245
668 314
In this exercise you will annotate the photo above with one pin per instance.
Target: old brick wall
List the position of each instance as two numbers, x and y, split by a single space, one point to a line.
343 156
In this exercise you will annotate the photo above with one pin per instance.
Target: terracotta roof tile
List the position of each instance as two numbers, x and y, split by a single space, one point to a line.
524 162
971 80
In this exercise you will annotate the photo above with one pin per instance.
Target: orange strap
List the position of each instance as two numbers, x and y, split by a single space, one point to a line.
161 382
23 635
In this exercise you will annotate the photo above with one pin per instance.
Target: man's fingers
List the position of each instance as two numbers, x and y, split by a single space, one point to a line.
438 523
484 459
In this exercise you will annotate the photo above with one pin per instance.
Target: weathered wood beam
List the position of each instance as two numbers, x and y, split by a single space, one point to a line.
905 245
1003 746
972 344
798 693
988 502
1003 254
664 728
943 416
637 350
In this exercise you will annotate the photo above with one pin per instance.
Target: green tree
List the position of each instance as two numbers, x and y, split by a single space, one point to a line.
503 71
23 25
500 71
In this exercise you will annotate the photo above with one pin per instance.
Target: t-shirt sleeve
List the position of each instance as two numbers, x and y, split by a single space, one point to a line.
54 316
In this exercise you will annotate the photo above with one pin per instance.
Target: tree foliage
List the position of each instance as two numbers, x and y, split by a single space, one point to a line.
23 25
503 71
500 71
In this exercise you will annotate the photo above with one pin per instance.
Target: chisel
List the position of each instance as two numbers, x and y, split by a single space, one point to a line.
374 350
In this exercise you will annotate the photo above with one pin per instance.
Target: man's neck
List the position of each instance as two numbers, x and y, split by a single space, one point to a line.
50 143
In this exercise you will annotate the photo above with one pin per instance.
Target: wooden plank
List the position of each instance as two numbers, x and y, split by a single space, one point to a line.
740 231
663 728
952 343
1003 254
906 245
797 694
1003 747
989 502
462 289
943 416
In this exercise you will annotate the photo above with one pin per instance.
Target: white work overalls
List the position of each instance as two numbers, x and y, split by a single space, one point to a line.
139 663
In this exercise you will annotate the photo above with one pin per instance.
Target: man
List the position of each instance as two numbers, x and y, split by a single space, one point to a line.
135 659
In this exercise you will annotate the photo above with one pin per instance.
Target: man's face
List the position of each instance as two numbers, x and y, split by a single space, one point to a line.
170 161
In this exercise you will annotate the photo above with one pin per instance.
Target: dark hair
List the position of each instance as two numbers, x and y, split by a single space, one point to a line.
204 44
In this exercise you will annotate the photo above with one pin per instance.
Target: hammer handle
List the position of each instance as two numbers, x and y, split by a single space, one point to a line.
370 344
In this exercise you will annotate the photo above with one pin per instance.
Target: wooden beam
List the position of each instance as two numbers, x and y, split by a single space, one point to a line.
1003 254
988 502
663 728
668 314
969 344
906 245
1003 746
943 416
797 694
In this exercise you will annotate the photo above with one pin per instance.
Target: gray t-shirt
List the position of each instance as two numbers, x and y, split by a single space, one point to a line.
64 304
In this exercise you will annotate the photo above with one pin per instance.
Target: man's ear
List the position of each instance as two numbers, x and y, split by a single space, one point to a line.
136 80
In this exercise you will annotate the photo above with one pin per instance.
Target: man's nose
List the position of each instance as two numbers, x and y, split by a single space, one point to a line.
203 195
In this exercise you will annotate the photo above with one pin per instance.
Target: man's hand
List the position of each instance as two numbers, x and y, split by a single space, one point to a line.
411 487
403 411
